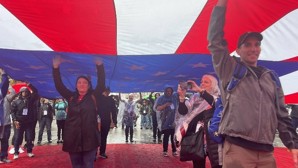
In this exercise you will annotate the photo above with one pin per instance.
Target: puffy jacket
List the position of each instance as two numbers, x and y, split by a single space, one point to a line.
29 103
250 110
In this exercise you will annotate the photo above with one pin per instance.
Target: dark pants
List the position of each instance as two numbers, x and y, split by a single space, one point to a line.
82 159
4 141
130 130
60 126
103 136
199 163
155 129
45 122
14 134
27 129
33 130
168 133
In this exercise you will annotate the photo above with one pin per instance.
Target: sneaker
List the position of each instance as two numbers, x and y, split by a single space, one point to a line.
1 162
38 142
11 151
104 156
5 160
175 154
126 140
154 140
165 154
159 141
15 156
49 141
30 155
21 150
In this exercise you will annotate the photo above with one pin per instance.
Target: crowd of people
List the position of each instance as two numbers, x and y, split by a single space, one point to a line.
253 110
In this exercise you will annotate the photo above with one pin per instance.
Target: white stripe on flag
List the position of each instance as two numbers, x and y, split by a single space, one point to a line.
15 35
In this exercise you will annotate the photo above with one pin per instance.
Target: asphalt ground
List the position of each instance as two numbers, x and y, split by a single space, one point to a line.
117 136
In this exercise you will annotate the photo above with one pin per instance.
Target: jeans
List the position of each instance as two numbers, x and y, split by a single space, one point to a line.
45 122
144 121
4 141
27 128
82 159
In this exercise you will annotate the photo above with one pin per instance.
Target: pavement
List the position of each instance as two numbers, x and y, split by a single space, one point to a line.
117 136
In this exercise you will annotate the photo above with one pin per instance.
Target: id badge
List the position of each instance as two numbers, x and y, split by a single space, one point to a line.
45 112
172 106
25 111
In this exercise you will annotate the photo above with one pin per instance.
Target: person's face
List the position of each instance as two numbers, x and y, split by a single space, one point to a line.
157 95
206 83
144 102
130 97
82 85
249 51
169 92
25 93
106 93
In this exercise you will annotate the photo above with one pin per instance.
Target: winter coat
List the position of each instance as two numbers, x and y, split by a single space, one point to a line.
250 110
24 109
81 128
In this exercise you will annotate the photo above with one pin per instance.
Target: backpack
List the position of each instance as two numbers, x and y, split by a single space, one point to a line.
239 73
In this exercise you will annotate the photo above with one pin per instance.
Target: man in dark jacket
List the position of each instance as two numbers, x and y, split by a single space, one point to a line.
45 118
108 113
22 113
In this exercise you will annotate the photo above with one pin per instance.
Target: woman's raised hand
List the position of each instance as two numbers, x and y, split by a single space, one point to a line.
98 61
57 60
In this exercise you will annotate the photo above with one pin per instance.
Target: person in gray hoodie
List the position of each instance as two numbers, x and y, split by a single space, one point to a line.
253 110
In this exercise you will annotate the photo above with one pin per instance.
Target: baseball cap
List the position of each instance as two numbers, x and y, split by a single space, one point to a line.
246 35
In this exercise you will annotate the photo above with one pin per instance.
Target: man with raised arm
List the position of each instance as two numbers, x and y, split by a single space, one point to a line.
255 108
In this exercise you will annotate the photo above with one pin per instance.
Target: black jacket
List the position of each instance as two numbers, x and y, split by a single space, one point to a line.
21 103
107 109
81 131
46 107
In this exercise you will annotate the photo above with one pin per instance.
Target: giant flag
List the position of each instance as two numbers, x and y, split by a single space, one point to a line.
145 44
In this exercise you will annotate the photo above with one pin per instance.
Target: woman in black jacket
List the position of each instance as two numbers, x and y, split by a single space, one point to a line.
198 110
81 138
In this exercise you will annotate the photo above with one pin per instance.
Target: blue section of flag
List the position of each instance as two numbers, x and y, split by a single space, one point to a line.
125 74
